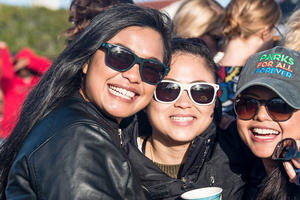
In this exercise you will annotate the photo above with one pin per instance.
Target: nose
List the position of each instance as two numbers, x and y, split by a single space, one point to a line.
133 74
262 114
184 101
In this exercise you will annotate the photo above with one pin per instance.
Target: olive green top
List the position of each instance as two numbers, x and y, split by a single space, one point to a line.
170 170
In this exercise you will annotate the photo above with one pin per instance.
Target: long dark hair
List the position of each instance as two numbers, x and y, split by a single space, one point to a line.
276 186
65 75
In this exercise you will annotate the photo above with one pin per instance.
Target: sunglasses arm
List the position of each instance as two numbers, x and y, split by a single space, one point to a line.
297 176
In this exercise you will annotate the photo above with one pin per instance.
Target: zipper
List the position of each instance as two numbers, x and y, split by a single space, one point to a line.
120 135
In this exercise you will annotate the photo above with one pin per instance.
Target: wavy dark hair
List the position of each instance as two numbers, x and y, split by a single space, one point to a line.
65 75
276 186
83 11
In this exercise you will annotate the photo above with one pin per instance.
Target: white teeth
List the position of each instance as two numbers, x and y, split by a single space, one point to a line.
121 92
265 132
182 119
264 136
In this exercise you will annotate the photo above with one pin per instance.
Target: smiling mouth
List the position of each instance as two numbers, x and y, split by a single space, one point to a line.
264 133
182 119
121 92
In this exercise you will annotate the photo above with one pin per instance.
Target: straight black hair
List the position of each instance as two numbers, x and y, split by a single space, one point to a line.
196 47
65 75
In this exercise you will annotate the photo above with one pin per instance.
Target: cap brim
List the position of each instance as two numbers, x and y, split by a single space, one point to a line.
288 92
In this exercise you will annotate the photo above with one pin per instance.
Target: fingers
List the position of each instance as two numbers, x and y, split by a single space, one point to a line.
296 161
289 168
2 44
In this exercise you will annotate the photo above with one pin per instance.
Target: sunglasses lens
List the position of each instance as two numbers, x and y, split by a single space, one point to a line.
245 108
202 93
167 92
286 150
152 72
119 59
279 110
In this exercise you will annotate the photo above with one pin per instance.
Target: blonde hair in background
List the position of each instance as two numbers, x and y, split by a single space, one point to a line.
194 18
292 35
245 18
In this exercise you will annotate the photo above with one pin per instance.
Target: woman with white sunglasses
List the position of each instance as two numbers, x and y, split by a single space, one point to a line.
184 149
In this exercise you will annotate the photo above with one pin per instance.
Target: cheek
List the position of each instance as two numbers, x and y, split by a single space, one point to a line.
148 91
157 112
242 128
288 127
206 112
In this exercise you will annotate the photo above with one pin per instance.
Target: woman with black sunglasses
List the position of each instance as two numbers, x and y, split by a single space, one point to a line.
181 147
267 104
66 142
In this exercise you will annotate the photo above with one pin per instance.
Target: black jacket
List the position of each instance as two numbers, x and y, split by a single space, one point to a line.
71 155
216 158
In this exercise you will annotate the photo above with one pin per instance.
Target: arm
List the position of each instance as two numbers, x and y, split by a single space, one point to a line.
39 64
7 71
83 164
35 63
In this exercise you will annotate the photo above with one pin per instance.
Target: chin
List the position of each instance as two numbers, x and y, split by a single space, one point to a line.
262 153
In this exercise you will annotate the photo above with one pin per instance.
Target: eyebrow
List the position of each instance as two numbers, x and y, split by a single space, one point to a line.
196 81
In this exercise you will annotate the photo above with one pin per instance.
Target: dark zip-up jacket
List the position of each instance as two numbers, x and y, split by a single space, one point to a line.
71 155
215 158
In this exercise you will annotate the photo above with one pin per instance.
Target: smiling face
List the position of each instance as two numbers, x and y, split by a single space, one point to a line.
180 122
261 134
121 94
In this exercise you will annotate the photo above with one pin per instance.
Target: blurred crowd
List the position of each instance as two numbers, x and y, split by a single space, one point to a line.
232 33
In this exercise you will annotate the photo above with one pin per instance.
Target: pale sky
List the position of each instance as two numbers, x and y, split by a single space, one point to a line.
66 3
59 3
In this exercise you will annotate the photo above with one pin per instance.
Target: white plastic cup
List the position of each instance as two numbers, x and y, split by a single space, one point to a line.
207 193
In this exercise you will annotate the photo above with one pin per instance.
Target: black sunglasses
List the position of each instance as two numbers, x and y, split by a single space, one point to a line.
286 149
201 93
246 108
122 59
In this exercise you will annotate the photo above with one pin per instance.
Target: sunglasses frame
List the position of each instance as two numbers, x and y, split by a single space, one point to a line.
187 87
137 60
259 103
296 153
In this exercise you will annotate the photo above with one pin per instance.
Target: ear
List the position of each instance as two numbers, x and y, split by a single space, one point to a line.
85 68
267 33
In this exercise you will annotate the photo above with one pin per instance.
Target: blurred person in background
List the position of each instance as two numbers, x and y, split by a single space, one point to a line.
19 74
250 26
292 34
83 11
200 19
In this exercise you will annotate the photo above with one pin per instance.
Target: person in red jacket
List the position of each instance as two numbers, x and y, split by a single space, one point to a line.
18 75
